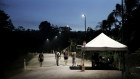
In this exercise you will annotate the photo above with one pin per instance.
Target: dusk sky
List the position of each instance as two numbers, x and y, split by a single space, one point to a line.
30 13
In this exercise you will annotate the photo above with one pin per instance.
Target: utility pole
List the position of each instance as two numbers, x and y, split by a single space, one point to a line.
123 69
122 22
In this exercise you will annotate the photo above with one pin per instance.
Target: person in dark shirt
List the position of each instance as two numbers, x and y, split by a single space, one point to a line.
41 58
66 57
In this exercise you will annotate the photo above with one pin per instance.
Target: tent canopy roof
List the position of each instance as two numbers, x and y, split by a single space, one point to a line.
104 43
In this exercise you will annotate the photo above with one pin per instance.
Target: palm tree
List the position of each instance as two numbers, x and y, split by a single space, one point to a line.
112 20
114 16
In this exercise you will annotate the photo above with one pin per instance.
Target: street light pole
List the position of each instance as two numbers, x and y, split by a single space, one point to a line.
85 23
84 43
122 22
123 69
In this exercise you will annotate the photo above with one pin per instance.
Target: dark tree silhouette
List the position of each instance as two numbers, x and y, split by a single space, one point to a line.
45 26
5 22
131 29
20 28
45 29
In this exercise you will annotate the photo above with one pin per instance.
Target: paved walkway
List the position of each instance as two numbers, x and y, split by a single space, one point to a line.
50 70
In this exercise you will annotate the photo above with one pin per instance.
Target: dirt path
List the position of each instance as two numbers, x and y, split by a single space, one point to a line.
50 70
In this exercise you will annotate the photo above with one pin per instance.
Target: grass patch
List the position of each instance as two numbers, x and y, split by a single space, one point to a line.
17 66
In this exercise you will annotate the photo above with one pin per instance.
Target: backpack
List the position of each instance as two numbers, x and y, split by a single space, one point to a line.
41 56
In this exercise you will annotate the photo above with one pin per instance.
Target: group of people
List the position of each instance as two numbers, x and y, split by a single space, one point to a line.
58 57
101 62
66 56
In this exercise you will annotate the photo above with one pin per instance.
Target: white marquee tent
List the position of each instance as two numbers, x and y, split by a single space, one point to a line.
104 43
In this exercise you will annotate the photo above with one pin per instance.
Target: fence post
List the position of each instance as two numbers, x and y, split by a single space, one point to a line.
24 64
119 64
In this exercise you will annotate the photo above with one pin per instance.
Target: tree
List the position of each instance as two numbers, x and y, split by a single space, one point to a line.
20 28
131 28
45 26
5 23
45 29
65 29
131 5
112 19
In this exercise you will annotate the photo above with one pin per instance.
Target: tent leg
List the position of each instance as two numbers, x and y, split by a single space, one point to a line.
119 64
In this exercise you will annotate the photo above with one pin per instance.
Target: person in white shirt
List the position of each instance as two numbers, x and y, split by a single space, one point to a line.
57 56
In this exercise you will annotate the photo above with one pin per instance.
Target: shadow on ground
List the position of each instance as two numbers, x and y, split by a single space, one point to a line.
79 68
91 68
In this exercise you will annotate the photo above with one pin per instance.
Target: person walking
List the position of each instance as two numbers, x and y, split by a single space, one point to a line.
57 57
73 58
41 58
66 57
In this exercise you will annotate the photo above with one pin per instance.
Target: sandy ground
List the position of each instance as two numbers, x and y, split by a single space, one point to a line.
50 70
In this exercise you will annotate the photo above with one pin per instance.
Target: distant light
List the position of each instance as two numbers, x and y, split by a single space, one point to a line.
83 15
56 37
67 26
47 39
59 32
